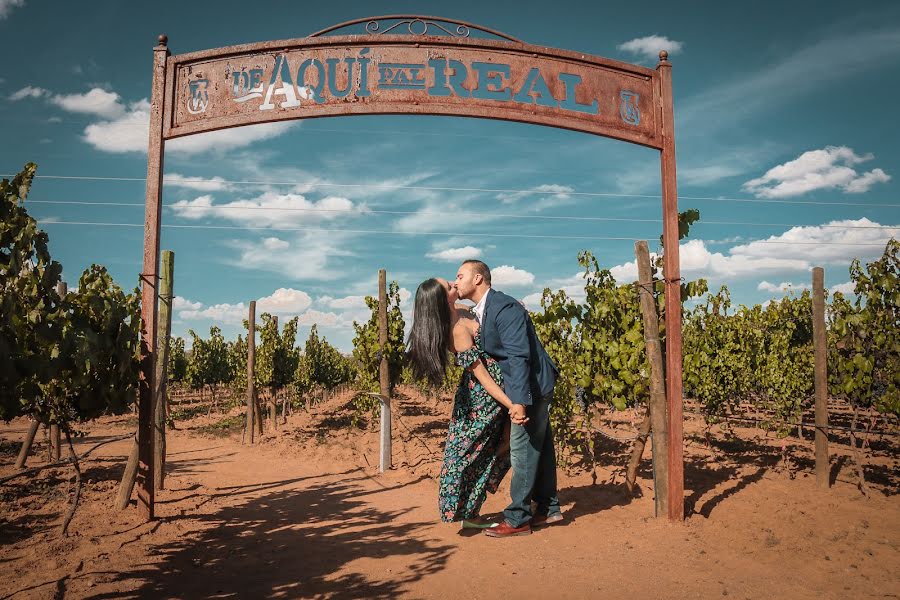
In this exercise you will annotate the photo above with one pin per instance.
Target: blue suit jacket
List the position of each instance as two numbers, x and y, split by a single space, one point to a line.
509 337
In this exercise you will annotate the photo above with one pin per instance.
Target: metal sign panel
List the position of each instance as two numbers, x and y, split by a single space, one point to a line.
388 74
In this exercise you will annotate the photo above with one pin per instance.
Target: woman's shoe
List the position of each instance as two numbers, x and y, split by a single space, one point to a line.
468 524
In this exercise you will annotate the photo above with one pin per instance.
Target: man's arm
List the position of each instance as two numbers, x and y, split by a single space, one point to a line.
513 331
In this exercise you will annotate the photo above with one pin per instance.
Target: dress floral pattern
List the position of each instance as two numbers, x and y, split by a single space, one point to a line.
471 466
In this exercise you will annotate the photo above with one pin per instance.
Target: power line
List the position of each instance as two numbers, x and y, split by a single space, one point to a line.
446 233
444 214
387 187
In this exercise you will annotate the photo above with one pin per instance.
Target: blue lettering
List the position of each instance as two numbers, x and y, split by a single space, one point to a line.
316 90
571 82
439 66
363 73
491 85
535 87
332 76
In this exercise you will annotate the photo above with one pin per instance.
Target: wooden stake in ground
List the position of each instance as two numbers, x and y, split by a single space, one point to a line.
55 451
126 486
659 422
272 403
820 373
164 324
384 374
251 375
26 445
72 507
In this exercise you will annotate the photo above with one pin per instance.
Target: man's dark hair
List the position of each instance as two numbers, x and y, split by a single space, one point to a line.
480 268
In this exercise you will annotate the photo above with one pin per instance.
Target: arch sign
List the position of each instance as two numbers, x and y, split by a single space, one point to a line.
409 65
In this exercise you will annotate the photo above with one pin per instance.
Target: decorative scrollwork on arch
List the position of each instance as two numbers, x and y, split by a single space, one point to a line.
417 25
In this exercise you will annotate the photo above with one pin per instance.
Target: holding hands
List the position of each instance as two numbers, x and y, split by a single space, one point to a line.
517 414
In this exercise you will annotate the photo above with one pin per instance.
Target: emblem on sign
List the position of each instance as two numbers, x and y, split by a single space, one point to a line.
199 98
628 108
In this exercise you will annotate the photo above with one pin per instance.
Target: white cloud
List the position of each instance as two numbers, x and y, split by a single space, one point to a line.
848 288
231 314
798 249
271 209
506 275
784 286
274 243
549 194
322 319
836 243
6 6
27 91
455 255
829 168
345 303
215 184
181 304
648 47
284 301
129 133
307 255
97 101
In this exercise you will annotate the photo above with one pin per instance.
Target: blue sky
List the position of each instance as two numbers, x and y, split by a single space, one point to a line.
786 131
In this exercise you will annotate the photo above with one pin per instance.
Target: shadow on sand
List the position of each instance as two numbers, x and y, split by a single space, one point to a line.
290 543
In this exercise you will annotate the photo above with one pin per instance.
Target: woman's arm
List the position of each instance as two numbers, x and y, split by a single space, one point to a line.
463 340
490 386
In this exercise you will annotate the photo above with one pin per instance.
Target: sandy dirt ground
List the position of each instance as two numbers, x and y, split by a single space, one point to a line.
305 514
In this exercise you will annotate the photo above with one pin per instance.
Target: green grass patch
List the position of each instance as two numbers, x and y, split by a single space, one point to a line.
224 427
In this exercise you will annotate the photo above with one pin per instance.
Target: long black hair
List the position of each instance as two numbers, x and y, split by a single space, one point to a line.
429 336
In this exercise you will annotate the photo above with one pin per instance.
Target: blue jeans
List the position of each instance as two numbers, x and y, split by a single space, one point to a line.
534 466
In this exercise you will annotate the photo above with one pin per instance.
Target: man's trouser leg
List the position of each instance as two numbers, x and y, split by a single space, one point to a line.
545 493
526 445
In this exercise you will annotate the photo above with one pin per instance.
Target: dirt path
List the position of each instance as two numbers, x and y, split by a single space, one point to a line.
305 517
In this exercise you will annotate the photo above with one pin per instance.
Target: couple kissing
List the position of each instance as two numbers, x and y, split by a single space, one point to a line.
501 410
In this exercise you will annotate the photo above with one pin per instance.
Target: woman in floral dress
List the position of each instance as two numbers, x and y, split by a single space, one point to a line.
474 457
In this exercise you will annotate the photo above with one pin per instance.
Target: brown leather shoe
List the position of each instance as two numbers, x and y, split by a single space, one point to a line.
542 520
504 529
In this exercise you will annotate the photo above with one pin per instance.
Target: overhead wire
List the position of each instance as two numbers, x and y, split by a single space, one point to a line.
480 190
431 233
367 210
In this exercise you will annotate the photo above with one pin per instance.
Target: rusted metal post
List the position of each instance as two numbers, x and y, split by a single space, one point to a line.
672 274
251 374
659 422
821 378
384 374
162 338
149 274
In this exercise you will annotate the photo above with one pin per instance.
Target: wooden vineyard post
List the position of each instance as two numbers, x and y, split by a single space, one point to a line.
26 445
55 451
251 374
384 374
820 372
162 359
659 422
272 403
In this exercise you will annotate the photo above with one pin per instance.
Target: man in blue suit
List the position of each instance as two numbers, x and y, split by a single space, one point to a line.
528 379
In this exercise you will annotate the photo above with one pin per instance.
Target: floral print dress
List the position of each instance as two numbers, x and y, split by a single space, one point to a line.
471 466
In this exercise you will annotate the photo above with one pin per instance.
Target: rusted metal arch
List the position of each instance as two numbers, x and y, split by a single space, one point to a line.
180 99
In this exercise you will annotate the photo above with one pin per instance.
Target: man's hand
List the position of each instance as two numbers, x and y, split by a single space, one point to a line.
517 414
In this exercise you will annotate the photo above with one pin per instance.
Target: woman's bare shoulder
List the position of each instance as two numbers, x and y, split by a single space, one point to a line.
463 334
